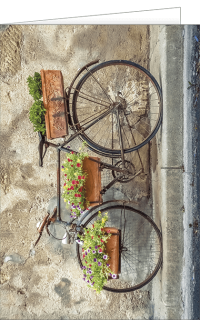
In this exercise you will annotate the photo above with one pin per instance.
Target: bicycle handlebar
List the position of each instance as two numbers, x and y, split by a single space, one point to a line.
43 223
40 148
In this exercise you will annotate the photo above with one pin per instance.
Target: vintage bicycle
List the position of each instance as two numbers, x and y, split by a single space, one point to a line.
116 108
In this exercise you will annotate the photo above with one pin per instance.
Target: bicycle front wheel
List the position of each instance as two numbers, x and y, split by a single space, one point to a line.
140 247
138 96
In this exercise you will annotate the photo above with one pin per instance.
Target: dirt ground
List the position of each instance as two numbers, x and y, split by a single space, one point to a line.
47 283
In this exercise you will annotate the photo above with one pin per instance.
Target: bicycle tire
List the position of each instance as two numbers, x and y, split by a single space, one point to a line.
147 223
144 88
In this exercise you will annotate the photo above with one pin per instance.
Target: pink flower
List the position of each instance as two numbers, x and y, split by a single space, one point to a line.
100 250
71 165
79 177
83 177
72 152
73 182
78 165
102 240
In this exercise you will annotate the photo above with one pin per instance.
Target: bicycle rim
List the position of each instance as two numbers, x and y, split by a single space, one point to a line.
140 110
141 247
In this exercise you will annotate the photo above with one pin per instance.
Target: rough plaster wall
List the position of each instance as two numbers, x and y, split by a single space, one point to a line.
48 284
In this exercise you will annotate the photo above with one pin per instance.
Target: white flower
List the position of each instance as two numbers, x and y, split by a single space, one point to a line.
79 242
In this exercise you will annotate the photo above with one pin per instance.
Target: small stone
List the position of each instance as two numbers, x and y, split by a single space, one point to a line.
32 252
8 258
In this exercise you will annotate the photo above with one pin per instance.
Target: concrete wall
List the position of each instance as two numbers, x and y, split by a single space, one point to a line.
47 283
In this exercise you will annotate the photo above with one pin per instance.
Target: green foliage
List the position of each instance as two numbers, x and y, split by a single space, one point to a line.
36 116
95 260
37 111
74 177
35 86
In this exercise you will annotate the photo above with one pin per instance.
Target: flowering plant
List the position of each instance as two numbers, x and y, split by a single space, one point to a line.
74 192
95 260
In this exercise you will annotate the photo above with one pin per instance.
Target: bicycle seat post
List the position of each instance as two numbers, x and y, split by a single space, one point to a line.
58 182
120 138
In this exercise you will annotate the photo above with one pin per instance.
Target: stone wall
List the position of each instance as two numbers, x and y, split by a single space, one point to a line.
47 283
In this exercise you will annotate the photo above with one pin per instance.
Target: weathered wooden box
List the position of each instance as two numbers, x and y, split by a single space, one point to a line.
93 181
112 249
55 117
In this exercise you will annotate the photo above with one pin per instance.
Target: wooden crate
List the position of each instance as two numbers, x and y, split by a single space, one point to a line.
112 249
55 117
93 181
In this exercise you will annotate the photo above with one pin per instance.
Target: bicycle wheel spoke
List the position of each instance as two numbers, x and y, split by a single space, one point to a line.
140 246
138 96
103 136
126 136
93 97
130 129
93 101
94 118
101 87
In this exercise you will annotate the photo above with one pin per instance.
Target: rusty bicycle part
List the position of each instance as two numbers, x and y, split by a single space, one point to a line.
140 245
122 97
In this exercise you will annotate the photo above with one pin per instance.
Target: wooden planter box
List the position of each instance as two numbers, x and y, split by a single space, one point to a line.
93 188
112 249
55 117
93 181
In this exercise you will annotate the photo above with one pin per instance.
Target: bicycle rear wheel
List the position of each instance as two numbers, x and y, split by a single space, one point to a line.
140 247
140 107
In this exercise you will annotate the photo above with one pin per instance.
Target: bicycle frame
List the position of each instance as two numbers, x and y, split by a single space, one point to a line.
102 166
78 131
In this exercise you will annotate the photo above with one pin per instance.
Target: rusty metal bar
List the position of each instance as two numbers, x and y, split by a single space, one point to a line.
109 98
58 183
78 73
109 166
110 184
120 138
